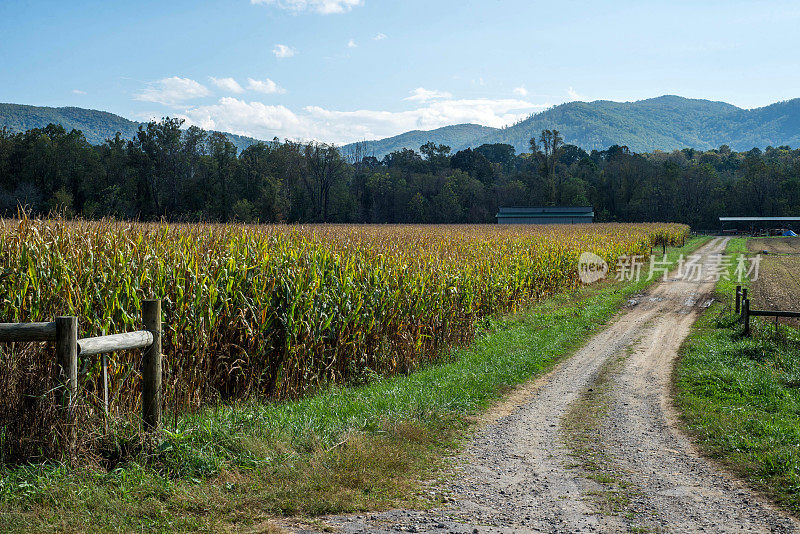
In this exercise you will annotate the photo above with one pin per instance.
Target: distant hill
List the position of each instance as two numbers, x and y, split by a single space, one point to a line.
97 126
458 135
663 123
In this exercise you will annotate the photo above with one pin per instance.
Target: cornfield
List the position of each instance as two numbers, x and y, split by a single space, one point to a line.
276 311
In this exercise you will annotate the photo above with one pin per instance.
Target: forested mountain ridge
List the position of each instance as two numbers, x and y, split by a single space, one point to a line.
664 123
96 126
457 136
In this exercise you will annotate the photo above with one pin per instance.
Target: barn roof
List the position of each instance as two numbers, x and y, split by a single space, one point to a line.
548 211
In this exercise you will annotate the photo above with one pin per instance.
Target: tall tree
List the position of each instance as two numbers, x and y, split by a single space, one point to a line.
324 167
552 141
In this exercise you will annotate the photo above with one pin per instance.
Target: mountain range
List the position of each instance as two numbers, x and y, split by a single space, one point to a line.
664 123
97 126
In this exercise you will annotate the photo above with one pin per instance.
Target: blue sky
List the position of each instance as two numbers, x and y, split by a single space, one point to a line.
344 70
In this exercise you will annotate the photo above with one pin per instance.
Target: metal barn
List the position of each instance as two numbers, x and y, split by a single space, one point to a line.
546 215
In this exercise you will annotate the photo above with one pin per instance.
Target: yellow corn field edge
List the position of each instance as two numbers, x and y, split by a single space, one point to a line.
279 310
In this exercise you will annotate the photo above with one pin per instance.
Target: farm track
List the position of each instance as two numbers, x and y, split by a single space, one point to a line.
595 445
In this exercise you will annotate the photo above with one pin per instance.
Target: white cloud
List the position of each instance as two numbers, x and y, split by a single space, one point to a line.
172 91
521 91
488 112
246 118
265 86
283 51
323 7
420 94
351 43
78 92
574 95
263 121
228 84
379 37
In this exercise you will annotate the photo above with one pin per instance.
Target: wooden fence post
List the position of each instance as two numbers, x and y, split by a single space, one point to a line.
67 358
744 295
746 313
151 366
738 298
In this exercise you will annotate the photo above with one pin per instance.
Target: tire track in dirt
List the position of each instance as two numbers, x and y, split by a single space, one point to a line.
520 473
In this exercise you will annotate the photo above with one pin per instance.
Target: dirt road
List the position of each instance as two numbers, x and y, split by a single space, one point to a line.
594 446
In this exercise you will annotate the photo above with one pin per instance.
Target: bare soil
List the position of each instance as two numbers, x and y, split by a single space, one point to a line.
778 283
593 446
775 245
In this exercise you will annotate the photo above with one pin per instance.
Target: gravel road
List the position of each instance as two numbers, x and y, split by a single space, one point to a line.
594 445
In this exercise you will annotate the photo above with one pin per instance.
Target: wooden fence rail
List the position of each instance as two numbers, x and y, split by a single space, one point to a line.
766 313
101 345
14 332
64 333
747 313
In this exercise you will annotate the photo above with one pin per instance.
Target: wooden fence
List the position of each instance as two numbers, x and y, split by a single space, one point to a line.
64 333
743 302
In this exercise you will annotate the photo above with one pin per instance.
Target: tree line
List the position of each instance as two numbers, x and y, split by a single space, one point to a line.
168 172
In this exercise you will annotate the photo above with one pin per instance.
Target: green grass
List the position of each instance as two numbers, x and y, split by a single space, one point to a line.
741 397
727 286
343 450
583 435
